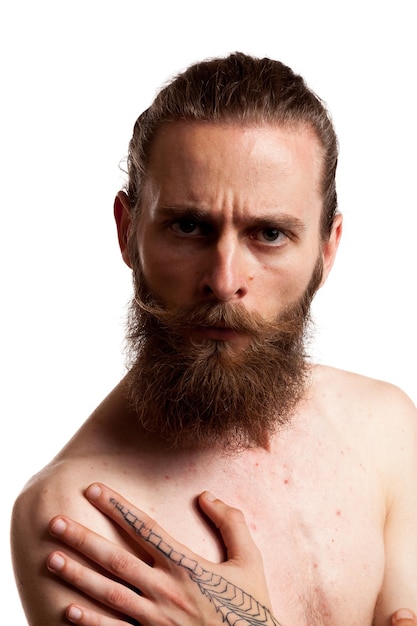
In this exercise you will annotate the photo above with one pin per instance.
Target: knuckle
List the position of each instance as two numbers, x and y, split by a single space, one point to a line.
75 575
182 602
234 516
115 596
118 563
76 537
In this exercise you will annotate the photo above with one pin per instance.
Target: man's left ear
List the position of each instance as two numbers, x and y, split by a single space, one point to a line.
330 246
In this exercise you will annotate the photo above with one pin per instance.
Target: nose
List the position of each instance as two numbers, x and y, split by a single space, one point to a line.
225 273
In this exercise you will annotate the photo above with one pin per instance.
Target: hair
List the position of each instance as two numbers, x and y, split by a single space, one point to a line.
237 89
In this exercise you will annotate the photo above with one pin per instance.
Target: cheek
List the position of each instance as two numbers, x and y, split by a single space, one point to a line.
285 286
168 277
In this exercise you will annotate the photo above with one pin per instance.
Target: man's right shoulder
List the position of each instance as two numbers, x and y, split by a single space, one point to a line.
55 490
52 491
54 485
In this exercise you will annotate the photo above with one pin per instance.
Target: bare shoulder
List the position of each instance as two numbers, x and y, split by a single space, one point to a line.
58 489
361 393
379 421
375 414
48 493
93 454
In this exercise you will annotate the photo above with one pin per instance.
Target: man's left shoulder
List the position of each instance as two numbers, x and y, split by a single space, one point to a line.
371 410
375 418
365 393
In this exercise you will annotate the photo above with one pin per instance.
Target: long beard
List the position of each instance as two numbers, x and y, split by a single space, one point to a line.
203 394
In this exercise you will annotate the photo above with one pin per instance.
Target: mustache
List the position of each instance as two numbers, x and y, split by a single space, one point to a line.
224 315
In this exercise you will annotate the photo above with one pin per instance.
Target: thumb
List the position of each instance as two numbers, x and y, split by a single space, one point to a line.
233 528
404 617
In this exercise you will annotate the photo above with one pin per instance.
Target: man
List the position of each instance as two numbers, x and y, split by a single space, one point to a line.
230 225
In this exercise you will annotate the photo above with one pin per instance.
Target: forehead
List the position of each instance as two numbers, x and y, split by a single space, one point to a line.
197 162
265 140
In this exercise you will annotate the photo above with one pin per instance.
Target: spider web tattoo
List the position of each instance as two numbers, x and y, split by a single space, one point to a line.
236 607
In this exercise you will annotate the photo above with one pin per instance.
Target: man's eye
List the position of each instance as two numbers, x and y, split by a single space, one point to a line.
186 227
271 235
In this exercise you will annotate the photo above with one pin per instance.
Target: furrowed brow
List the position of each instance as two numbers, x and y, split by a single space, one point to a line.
173 212
273 219
279 220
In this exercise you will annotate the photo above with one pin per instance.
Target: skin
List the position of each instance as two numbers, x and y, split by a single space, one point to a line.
330 500
240 578
200 591
220 228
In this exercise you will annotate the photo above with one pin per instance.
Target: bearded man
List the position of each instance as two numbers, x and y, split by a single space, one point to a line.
229 222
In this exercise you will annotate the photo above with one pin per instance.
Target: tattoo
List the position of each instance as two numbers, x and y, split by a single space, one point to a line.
236 607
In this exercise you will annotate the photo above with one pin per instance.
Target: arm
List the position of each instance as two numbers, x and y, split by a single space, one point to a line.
399 470
180 587
44 597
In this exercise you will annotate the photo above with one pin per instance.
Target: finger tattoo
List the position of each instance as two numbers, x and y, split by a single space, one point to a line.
235 606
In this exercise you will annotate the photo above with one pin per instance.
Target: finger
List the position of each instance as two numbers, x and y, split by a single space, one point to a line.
159 544
404 617
233 528
77 614
108 592
110 556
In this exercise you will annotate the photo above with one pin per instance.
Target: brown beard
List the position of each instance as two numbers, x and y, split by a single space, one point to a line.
202 394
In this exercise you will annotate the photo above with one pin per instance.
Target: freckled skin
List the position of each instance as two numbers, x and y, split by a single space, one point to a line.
322 568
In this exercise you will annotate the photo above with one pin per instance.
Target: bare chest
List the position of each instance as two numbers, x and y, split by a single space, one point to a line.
322 543
314 504
316 514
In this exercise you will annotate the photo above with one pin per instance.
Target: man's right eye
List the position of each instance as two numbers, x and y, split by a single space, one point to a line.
187 226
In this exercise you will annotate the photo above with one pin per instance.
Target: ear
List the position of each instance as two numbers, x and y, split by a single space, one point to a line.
122 215
330 247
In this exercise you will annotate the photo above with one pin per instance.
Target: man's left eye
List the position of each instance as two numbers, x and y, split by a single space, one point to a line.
271 235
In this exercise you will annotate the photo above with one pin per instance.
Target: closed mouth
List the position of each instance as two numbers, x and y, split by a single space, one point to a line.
219 333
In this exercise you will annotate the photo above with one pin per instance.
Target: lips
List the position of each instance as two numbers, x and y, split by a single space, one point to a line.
217 333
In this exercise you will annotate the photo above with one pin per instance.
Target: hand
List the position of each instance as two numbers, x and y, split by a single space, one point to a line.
404 617
180 588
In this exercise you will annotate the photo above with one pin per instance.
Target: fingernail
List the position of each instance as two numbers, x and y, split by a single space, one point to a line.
56 562
93 492
209 496
58 527
403 614
74 614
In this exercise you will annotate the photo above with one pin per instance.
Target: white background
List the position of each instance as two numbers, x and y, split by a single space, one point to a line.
74 77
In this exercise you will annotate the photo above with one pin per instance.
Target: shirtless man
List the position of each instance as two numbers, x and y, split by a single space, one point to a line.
229 223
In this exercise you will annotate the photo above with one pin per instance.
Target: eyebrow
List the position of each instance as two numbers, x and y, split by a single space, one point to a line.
281 220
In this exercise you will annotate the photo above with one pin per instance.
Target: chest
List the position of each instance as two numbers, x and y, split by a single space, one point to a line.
322 544
317 516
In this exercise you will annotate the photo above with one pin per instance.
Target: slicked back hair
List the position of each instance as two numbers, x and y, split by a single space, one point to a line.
237 89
